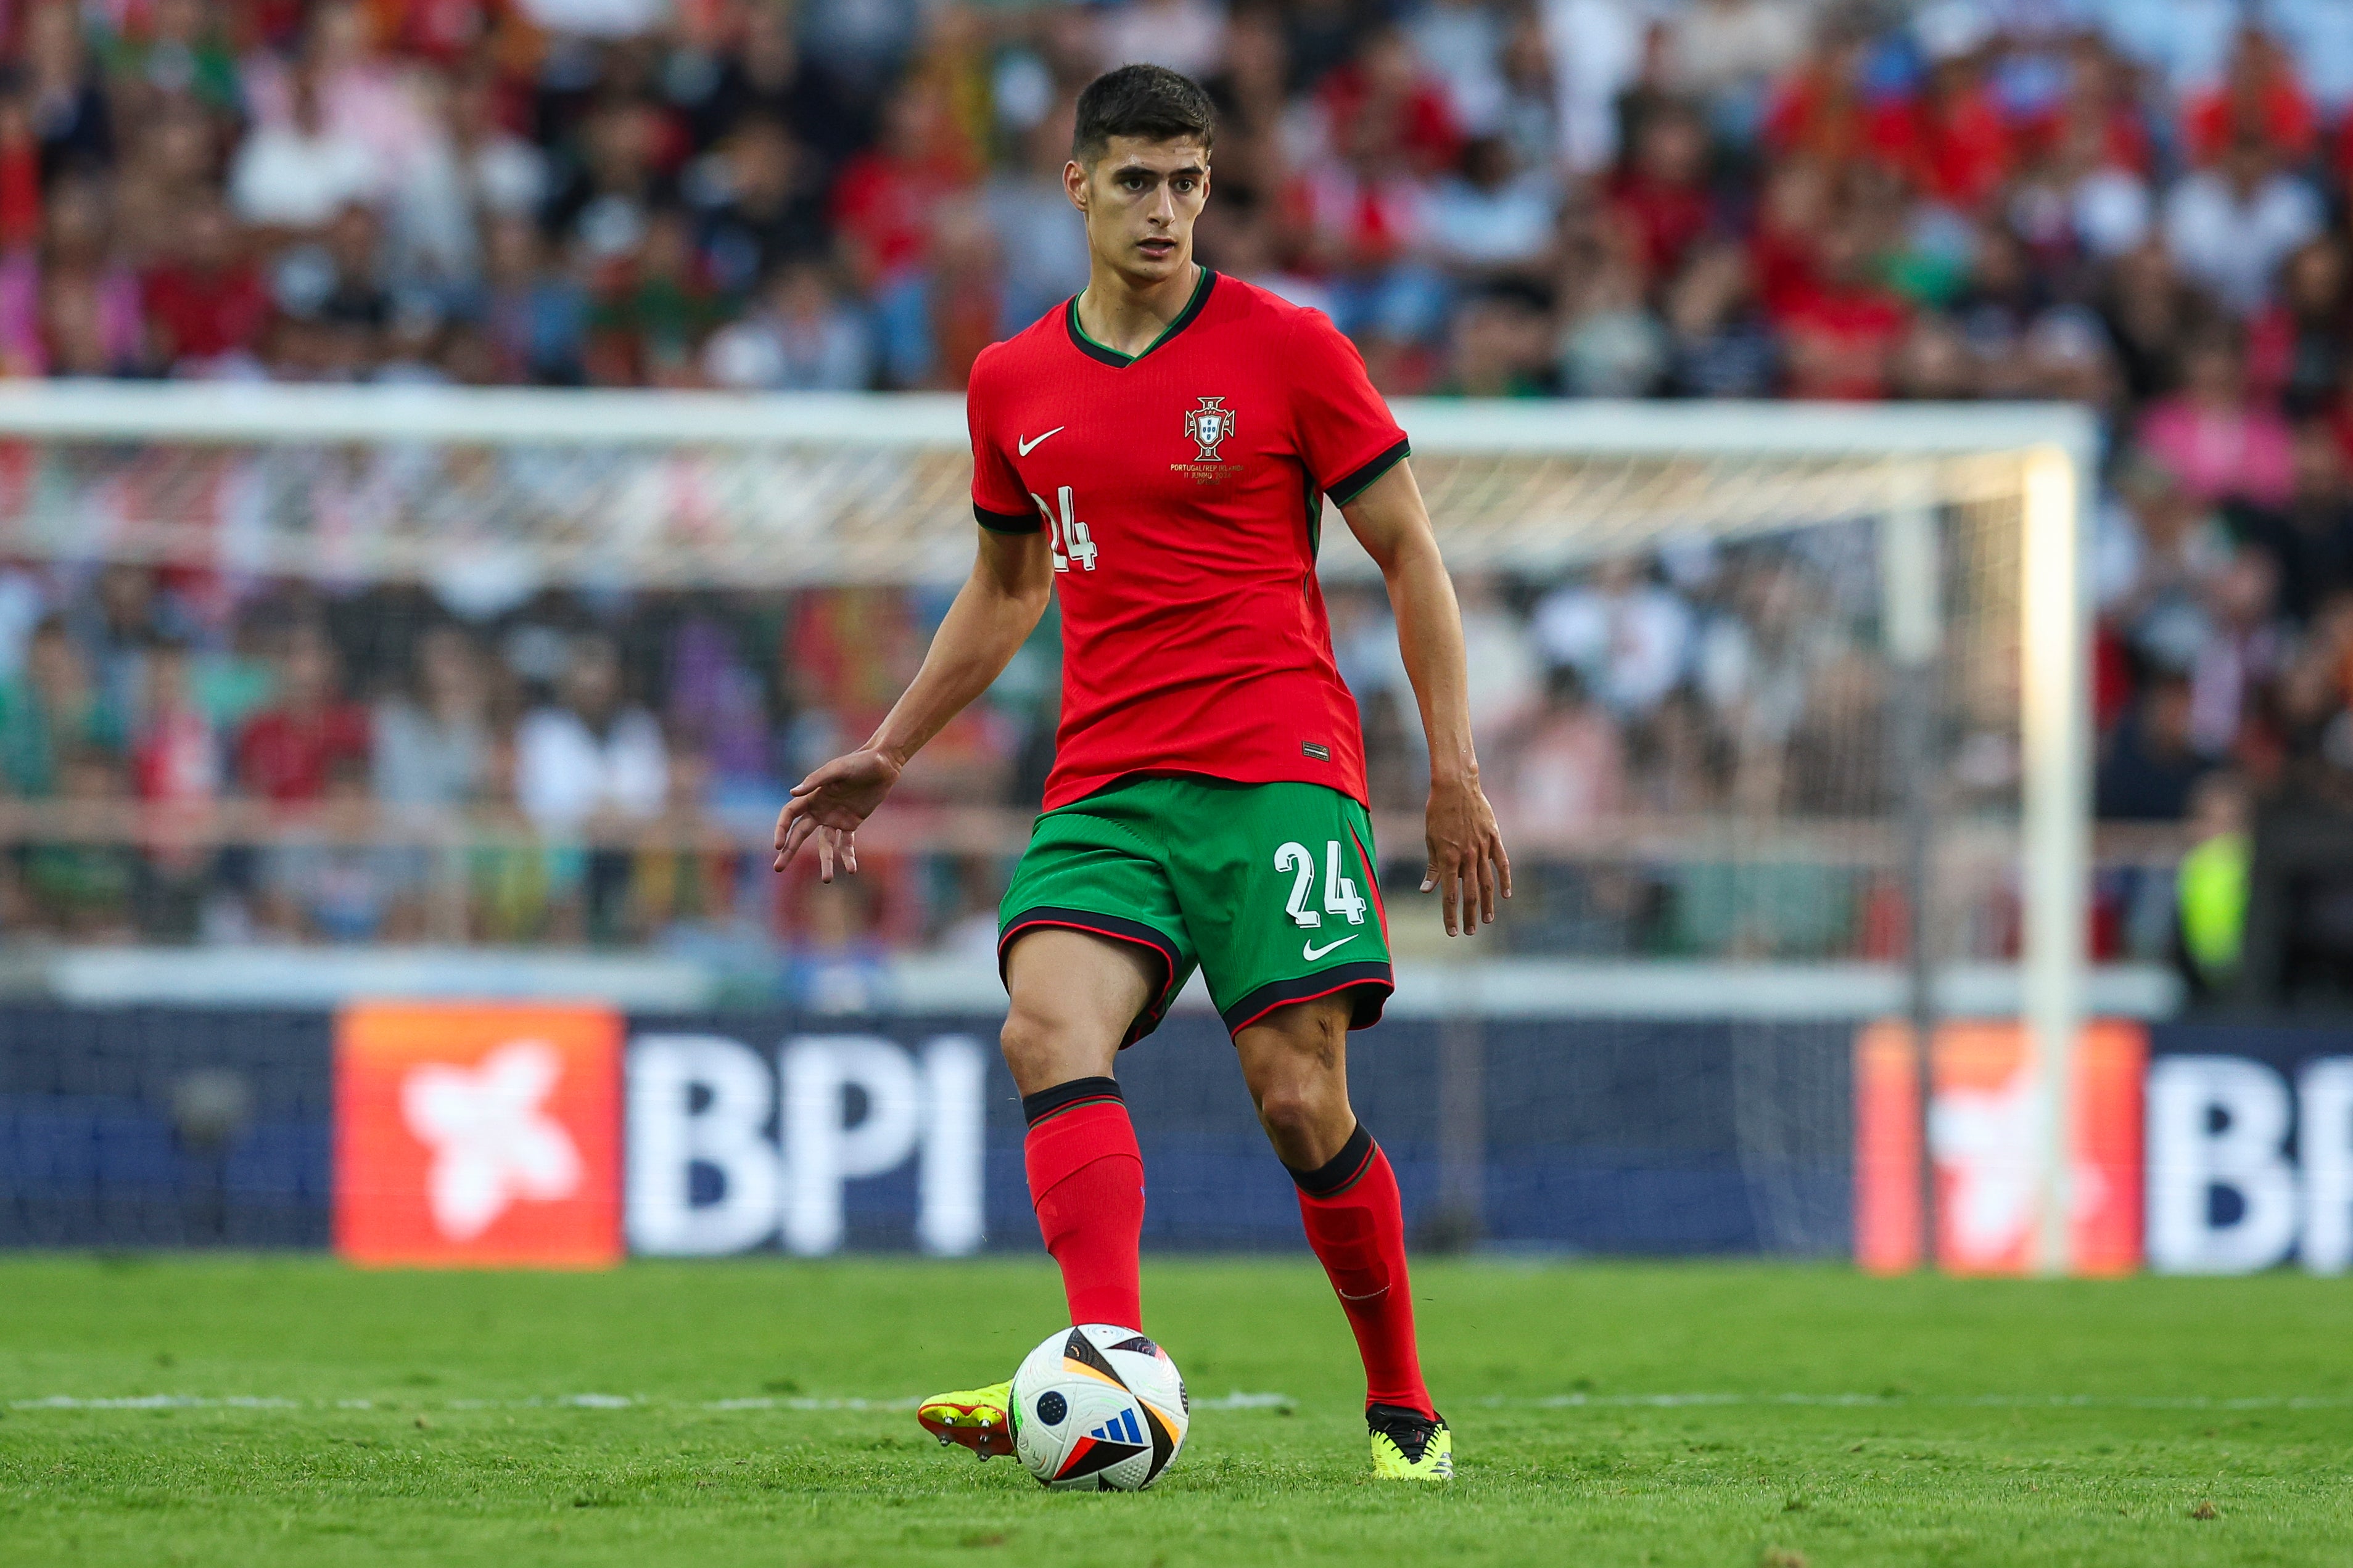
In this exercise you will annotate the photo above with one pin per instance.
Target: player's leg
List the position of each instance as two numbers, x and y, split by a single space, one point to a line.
1074 997
1278 881
1092 951
1295 1062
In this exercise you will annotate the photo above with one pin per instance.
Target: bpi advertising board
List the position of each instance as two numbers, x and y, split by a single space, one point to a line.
539 1136
2194 1149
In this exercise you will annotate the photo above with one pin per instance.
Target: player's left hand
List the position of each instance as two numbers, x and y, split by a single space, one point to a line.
1468 866
829 805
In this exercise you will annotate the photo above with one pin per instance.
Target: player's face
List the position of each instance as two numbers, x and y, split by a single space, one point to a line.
1140 200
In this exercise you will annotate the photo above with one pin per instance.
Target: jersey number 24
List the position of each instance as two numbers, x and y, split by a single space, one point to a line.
1066 536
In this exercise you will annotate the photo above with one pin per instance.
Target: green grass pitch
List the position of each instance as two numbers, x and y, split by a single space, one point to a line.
242 1411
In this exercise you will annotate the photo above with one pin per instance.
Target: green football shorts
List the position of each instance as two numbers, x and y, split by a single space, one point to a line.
1268 888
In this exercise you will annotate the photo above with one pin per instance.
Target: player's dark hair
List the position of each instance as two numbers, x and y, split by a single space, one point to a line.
1148 101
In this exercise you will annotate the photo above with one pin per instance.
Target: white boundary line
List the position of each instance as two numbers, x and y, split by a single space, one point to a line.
1237 1400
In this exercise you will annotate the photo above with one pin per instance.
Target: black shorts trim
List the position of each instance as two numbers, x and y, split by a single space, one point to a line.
1118 929
1349 485
1007 521
1371 982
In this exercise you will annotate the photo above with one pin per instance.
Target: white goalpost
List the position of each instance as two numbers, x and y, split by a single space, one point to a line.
661 490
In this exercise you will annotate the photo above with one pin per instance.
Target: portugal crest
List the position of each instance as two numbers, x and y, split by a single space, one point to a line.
1208 425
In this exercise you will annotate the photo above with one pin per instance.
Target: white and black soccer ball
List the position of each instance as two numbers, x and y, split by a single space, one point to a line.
1099 1408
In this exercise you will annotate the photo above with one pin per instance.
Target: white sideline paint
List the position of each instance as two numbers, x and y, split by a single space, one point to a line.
1239 1400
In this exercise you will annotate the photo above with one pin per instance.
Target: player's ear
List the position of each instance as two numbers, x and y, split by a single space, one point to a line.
1074 184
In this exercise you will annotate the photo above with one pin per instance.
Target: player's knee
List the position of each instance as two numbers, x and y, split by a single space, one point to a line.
1043 1047
1027 1041
1298 1117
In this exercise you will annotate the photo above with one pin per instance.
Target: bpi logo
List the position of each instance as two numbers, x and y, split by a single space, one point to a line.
727 1153
478 1135
2224 1194
1207 427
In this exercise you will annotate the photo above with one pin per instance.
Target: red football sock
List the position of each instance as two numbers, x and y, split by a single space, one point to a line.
1086 1181
1357 1228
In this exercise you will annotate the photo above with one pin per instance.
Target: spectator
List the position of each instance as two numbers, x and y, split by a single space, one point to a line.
2215 439
1569 770
82 890
535 319
2213 884
2296 347
206 305
2150 763
2245 650
883 202
2312 536
1839 330
590 764
1499 347
1045 253
70 110
764 206
589 760
1491 218
803 338
2230 226
327 882
1628 638
431 745
289 748
293 177
1949 140
1187 35
53 711
1719 343
175 768
181 54
71 309
2258 99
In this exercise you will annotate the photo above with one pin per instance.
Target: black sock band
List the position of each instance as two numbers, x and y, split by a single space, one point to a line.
1340 1172
1051 1102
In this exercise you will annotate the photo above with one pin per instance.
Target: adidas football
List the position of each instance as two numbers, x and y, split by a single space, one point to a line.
1097 1408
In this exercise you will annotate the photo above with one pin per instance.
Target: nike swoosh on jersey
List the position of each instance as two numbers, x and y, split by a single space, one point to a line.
1311 953
1031 444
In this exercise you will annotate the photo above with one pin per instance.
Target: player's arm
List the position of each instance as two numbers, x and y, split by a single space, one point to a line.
1467 862
994 613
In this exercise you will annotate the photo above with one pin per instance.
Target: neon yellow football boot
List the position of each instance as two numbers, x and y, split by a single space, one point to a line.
979 1418
1408 1445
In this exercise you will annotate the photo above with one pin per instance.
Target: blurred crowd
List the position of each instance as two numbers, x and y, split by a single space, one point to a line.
2138 204
275 762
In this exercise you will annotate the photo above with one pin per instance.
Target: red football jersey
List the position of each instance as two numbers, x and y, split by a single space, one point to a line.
1181 492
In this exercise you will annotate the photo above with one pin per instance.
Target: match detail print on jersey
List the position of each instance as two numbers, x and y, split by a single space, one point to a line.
1182 496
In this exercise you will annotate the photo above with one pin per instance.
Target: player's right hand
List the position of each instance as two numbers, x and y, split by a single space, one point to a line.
829 805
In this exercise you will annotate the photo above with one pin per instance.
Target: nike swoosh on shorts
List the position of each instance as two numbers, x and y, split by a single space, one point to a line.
1027 446
1311 953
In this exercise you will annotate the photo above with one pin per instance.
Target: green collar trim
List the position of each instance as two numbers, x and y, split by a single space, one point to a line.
1118 360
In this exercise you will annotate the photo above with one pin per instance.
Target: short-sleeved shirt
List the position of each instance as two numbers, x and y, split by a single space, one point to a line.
1181 490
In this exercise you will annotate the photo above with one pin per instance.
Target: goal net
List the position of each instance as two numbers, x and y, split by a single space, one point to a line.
1782 707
